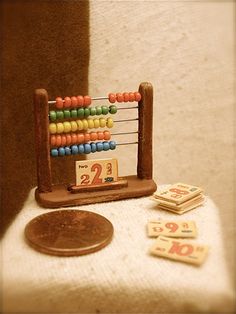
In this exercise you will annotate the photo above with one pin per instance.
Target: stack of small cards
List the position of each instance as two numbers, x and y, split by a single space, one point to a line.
179 198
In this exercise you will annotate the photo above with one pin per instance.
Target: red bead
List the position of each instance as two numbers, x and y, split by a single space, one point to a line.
131 97
59 102
93 136
74 102
86 137
63 140
119 97
80 100
53 140
112 98
68 139
67 102
100 135
137 96
58 140
107 135
126 97
87 101
80 138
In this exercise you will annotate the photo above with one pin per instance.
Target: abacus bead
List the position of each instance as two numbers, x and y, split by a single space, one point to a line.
102 122
61 151
93 111
93 147
63 140
85 124
68 139
67 126
80 125
87 148
80 138
98 110
86 112
90 123
74 149
107 135
96 123
113 109
81 148
54 152
93 136
67 102
87 101
99 146
106 146
59 103
100 135
53 128
105 110
112 98
68 150
53 140
131 97
52 115
80 112
73 113
137 96
60 114
80 100
110 123
126 97
58 140
66 113
86 137
119 97
112 145
74 126
74 101
74 138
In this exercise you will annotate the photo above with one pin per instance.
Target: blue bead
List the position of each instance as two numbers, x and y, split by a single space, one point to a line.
54 152
87 148
74 149
67 150
112 144
61 151
81 148
93 147
106 146
99 146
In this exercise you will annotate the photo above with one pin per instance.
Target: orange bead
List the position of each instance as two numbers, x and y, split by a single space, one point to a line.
112 98
67 102
137 96
59 102
131 97
87 101
53 140
93 136
63 140
107 135
119 97
68 139
80 138
126 97
80 100
58 140
86 137
100 135
74 102
73 138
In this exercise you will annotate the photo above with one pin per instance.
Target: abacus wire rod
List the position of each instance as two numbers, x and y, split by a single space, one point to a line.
125 120
52 102
126 143
121 108
124 133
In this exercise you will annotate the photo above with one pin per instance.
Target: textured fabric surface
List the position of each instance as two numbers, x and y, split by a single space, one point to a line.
121 278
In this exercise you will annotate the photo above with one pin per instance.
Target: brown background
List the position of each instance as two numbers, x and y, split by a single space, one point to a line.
45 44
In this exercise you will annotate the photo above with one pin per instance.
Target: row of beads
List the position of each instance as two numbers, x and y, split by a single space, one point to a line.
81 112
78 138
83 148
79 125
124 97
73 102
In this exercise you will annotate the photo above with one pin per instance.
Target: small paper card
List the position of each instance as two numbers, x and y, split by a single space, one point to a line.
181 229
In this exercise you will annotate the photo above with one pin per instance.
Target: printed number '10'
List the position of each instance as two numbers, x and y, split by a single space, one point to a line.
182 250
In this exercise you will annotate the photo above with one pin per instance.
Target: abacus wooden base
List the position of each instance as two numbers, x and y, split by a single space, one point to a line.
61 197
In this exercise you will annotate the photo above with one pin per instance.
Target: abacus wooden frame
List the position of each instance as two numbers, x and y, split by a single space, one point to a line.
52 196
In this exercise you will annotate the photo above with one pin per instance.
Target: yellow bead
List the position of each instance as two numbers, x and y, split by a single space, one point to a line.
90 123
102 122
96 123
80 125
60 127
52 128
85 124
110 123
73 126
67 126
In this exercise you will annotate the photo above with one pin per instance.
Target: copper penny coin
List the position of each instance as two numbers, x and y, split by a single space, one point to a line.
69 232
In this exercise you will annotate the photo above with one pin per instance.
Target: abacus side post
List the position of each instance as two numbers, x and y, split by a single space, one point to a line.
42 140
145 112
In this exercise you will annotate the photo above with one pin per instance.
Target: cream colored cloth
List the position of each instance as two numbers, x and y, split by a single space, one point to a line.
122 277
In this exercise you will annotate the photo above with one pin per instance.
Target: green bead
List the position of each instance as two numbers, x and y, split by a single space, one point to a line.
52 115
86 112
80 112
93 111
105 110
98 110
73 113
60 114
66 113
113 109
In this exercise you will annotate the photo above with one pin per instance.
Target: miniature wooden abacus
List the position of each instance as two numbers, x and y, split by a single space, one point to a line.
70 136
